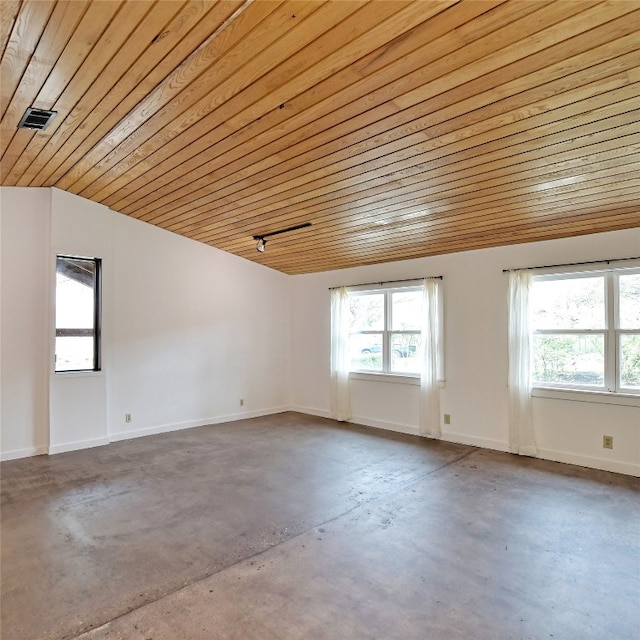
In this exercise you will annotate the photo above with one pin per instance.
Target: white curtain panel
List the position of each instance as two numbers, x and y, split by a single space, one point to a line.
429 390
521 438
340 398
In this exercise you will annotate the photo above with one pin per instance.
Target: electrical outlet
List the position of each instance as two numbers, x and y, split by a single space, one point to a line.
607 442
127 417
447 418
242 402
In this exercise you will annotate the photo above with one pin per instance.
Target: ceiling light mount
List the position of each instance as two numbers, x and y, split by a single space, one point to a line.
261 239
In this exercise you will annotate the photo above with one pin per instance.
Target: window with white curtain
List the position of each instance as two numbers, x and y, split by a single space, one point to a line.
385 330
586 331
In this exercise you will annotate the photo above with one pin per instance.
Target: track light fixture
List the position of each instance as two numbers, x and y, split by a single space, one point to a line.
261 239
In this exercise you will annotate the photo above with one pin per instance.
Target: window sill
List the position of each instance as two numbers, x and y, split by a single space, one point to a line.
393 378
78 374
596 397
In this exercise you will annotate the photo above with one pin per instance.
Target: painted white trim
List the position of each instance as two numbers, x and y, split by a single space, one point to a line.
387 426
602 464
392 378
116 436
24 453
320 413
77 445
596 397
628 468
483 443
447 436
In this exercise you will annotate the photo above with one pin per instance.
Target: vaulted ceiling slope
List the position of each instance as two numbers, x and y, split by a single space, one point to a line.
398 129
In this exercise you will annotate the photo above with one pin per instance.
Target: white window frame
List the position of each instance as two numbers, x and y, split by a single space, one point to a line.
386 374
386 331
611 332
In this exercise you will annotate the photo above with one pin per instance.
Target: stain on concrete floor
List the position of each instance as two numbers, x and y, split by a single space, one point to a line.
293 527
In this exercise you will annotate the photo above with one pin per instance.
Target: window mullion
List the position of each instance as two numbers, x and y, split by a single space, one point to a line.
611 342
386 340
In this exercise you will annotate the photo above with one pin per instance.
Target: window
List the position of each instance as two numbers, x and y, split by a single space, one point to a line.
77 346
586 331
385 330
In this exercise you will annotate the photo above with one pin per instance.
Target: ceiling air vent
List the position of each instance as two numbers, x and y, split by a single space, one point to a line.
38 119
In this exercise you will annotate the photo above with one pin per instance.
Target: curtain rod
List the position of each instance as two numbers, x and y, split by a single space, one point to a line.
364 284
571 264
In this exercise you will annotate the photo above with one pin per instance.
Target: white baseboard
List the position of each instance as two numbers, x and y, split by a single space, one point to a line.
15 454
116 436
355 420
474 441
387 426
447 436
603 464
77 445
627 468
320 413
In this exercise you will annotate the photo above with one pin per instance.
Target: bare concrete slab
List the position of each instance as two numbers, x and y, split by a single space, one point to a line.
297 527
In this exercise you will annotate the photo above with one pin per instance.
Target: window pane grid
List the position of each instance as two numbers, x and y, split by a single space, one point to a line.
629 349
586 331
385 335
77 314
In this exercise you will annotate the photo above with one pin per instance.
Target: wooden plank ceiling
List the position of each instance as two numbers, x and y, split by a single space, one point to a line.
398 129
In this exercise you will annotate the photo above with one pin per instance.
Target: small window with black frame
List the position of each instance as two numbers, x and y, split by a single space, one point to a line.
77 344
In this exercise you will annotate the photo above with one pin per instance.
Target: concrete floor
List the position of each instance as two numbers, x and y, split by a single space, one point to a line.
294 527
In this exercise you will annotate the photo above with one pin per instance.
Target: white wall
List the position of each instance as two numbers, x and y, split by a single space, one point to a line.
78 402
195 330
188 330
24 357
475 392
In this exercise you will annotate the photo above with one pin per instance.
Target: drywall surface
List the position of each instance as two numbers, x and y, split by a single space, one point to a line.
188 331
195 331
476 358
78 401
24 355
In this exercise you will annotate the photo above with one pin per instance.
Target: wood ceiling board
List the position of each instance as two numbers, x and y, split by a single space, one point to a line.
447 219
114 36
245 84
190 199
150 61
497 153
68 64
22 32
303 263
409 215
288 126
540 131
446 175
124 79
290 259
577 164
51 44
176 90
406 129
332 50
385 97
8 16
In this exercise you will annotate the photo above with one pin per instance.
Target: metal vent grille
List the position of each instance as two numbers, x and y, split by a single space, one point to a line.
38 119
